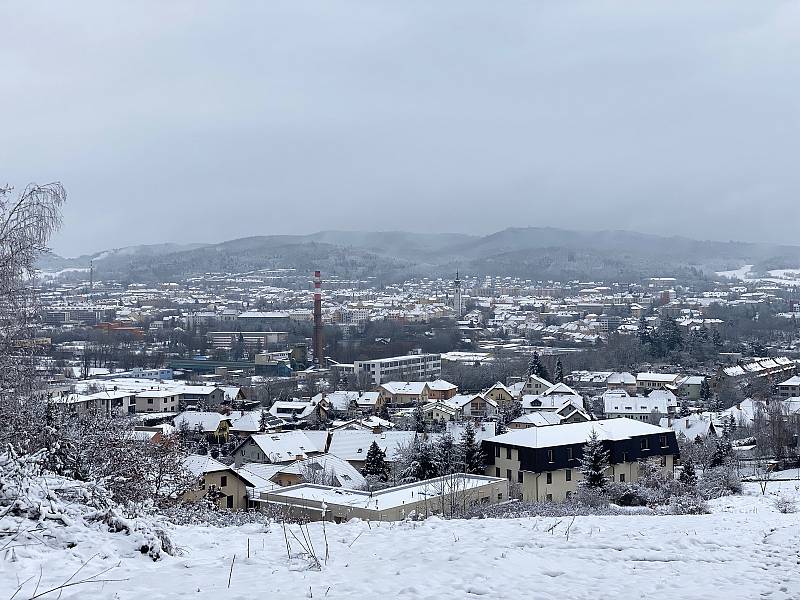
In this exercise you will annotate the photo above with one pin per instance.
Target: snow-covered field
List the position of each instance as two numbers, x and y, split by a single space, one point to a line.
745 549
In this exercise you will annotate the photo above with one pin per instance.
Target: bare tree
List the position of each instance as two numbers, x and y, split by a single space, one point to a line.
27 221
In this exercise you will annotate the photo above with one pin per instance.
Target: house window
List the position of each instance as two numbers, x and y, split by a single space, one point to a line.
549 497
223 481
644 444
569 495
622 477
663 461
662 439
149 400
519 476
229 502
624 457
497 471
508 453
508 474
497 451
549 478
569 453
549 456
568 475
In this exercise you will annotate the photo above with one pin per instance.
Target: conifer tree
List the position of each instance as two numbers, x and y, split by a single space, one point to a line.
559 372
594 463
471 451
447 456
375 463
684 408
421 466
418 420
723 451
643 332
383 412
535 367
263 421
688 475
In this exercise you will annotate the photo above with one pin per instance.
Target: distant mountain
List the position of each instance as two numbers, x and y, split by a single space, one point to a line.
531 252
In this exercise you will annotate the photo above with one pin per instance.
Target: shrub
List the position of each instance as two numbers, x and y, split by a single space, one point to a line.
688 504
785 505
718 482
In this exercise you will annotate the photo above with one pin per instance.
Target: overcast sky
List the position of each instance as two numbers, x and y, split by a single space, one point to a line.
199 121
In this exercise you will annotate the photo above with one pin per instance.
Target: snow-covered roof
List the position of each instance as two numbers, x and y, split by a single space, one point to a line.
657 377
353 445
791 381
283 447
440 385
208 421
540 418
560 389
405 387
690 427
338 400
624 378
198 464
576 433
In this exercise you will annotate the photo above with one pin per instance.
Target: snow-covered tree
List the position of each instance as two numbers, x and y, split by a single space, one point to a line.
684 412
559 378
688 476
594 463
535 367
418 420
375 463
263 420
447 456
471 451
417 462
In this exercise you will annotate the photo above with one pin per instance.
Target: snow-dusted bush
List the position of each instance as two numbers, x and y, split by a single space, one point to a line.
785 505
688 504
591 497
514 510
718 482
32 498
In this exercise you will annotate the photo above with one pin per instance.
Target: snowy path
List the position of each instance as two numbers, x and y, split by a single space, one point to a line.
745 550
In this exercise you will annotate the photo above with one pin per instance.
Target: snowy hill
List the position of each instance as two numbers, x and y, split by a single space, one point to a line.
745 549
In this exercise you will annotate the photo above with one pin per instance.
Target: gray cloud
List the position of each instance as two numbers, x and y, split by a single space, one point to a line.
207 121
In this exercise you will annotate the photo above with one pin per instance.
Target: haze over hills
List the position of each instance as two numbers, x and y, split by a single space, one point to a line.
531 252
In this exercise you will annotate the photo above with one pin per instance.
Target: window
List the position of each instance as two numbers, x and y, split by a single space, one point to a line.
229 502
569 454
497 451
549 477
149 400
624 457
549 456
663 461
644 444
569 495
622 477
568 475
500 496
223 481
519 476
508 453
497 471
508 474
549 497
662 439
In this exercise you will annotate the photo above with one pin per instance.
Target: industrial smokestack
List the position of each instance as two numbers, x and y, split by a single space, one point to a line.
319 358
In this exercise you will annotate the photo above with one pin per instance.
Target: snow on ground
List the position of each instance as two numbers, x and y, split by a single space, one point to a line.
740 273
745 549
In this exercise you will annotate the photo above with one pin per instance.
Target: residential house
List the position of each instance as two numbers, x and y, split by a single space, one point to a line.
545 461
211 425
646 382
622 381
535 385
285 447
158 400
228 487
789 388
441 390
404 393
